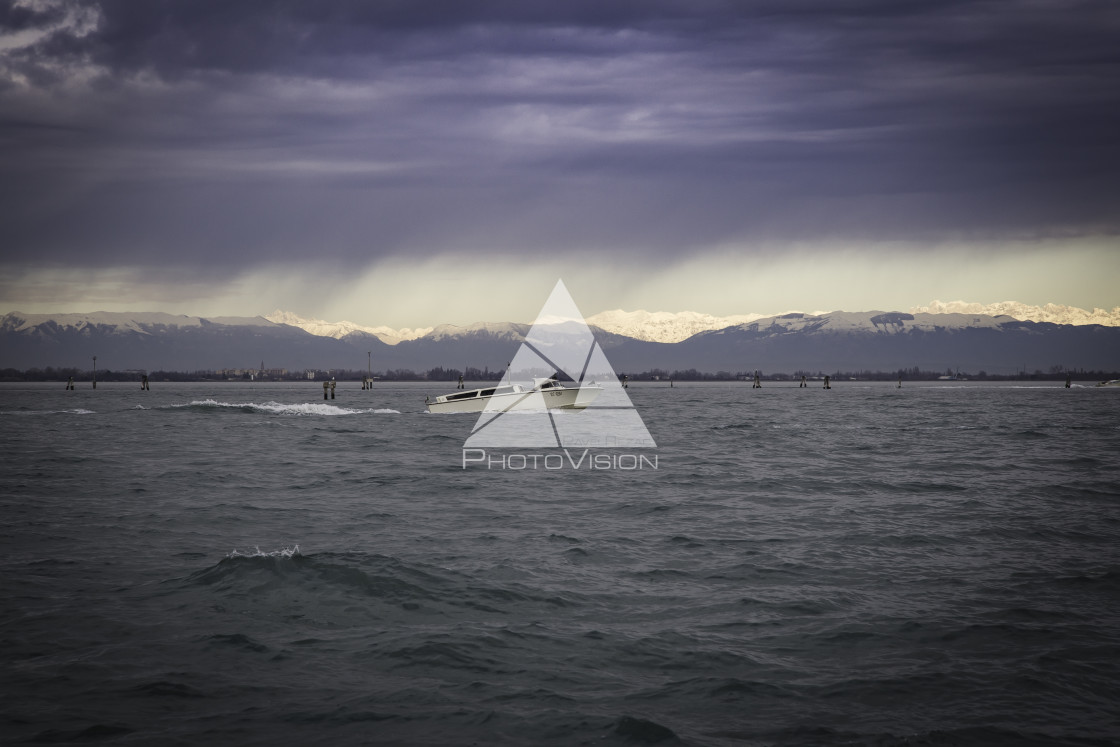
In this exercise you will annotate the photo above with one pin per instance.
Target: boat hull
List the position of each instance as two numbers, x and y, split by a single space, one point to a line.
548 399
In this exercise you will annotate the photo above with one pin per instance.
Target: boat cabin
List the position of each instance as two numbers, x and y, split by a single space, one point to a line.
479 393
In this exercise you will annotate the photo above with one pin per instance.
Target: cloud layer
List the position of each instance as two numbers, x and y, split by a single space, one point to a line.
215 137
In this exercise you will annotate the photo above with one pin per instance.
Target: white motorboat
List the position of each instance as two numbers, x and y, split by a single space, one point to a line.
545 394
1114 382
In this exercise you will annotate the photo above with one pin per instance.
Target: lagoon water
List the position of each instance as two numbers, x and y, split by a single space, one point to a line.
246 564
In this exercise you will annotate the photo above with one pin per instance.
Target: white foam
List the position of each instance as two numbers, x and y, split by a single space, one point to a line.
75 411
280 408
287 552
1055 386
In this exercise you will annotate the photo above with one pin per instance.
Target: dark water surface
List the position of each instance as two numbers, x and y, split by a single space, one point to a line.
246 564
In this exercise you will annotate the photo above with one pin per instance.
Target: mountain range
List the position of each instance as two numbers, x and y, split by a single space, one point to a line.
1051 312
665 326
831 341
339 330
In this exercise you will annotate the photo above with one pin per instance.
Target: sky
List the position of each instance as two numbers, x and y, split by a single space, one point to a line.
411 163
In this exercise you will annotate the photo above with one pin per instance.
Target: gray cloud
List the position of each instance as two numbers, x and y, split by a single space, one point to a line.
226 134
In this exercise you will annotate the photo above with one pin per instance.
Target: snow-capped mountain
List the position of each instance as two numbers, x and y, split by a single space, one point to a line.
884 341
876 322
1051 312
669 327
339 330
839 340
663 326
495 330
119 322
152 340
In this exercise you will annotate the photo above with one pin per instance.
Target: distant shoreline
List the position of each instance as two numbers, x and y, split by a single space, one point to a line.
450 376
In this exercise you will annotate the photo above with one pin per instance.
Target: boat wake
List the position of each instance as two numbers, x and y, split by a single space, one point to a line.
72 411
280 408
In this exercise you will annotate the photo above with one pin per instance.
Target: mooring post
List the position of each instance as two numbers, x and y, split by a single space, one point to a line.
827 385
326 385
332 388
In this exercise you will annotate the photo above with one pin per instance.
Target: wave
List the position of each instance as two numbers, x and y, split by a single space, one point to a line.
1056 386
348 588
818 735
281 408
286 552
72 411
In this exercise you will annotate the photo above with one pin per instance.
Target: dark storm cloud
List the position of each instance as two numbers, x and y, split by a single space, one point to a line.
231 132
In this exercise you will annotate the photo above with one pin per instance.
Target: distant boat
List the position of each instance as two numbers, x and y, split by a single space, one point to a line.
955 377
1114 382
546 393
